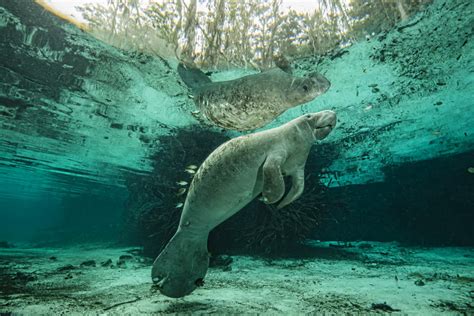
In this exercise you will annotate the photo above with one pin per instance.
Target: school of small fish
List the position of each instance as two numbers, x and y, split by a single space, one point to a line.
191 169
181 191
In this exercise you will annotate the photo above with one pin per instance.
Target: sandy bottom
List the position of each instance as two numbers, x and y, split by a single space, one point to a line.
363 277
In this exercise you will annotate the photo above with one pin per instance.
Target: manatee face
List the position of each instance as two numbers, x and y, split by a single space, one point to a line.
322 123
303 90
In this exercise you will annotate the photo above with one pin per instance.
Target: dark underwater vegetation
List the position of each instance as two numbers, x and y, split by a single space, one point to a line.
100 139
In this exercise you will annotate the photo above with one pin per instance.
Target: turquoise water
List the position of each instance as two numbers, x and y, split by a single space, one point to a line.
96 145
85 123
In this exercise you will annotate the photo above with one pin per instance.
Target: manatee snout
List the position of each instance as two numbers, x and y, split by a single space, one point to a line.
305 89
322 123
321 83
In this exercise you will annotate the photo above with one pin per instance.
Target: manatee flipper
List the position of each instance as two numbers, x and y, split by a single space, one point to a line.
273 183
192 76
297 187
283 63
181 266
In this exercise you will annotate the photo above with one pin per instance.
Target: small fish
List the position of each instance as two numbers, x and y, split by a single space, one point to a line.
183 183
181 191
179 205
192 167
470 169
190 171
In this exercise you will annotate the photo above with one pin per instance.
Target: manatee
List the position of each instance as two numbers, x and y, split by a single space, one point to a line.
233 175
252 101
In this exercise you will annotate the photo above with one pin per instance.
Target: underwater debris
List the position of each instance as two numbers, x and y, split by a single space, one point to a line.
444 305
123 303
106 263
443 277
136 252
221 261
65 268
25 277
121 264
88 263
343 244
123 259
419 282
199 282
126 257
384 307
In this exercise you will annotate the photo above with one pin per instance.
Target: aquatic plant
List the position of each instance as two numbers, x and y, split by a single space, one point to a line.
154 205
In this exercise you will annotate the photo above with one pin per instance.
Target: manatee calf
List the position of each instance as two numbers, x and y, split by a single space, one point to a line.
232 176
252 101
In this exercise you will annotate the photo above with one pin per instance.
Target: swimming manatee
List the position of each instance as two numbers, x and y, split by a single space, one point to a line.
233 175
252 101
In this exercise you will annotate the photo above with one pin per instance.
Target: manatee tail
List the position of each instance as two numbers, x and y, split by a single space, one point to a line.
181 267
192 76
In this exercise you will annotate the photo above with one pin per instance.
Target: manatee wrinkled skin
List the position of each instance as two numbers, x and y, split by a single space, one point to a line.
252 101
232 176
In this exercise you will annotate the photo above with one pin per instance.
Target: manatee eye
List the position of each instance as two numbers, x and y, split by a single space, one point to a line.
308 115
305 88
